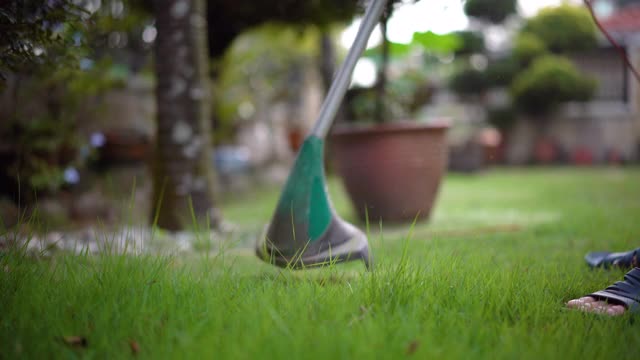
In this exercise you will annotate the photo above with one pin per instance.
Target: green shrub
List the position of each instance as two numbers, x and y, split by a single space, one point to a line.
495 11
549 81
527 47
404 95
43 142
472 42
263 65
38 33
501 117
469 82
501 72
563 28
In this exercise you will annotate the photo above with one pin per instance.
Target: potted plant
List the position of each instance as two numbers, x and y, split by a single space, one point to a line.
391 165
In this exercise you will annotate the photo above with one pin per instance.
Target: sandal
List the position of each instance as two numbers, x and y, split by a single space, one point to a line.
606 260
625 293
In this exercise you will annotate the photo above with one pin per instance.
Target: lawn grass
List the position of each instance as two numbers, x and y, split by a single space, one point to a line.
486 278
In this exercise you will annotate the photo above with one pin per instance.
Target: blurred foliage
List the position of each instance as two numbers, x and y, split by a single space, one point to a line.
538 81
229 18
72 57
362 105
46 142
404 95
527 47
34 33
549 81
502 71
428 42
412 89
259 68
472 42
469 82
118 32
494 11
545 80
563 28
502 118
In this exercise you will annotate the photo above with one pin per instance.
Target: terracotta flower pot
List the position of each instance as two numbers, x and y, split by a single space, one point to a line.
392 170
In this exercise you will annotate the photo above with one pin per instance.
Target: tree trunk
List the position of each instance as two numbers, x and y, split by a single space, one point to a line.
381 86
183 180
327 60
328 68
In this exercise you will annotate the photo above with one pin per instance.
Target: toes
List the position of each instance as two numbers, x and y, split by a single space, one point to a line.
581 302
587 299
574 303
589 304
599 307
615 310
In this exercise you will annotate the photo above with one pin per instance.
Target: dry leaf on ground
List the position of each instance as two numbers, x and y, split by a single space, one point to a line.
75 341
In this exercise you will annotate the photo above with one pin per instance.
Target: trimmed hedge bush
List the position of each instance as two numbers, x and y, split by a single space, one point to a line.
501 72
548 82
472 42
563 28
495 11
469 82
527 47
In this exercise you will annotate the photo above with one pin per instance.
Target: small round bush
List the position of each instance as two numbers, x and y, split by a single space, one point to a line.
548 82
527 47
563 28
501 72
495 11
469 82
502 118
472 42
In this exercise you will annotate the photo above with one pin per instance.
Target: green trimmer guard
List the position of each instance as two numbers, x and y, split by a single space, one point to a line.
305 231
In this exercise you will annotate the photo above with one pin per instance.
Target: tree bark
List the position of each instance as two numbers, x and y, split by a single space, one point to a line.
327 60
381 86
328 68
183 179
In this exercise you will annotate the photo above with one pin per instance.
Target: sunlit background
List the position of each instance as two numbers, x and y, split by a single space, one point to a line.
440 17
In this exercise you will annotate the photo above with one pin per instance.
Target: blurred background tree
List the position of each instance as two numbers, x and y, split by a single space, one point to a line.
49 74
182 173
545 80
472 42
261 67
182 180
563 28
33 33
494 11
559 30
228 18
549 81
107 42
402 83
527 47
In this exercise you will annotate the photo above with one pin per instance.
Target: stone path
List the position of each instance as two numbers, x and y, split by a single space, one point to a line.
131 240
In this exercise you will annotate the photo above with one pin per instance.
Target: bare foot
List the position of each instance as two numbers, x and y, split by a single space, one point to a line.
589 304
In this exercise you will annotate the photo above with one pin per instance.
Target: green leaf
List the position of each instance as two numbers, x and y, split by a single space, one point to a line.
399 50
396 50
429 40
